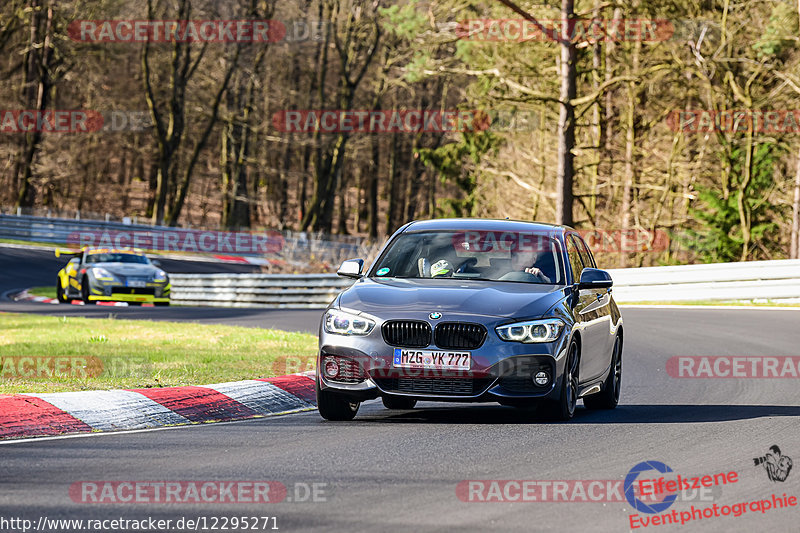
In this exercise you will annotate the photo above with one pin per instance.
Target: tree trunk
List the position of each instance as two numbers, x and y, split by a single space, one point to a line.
391 186
566 118
629 182
795 244
597 125
341 223
742 206
314 209
372 198
36 91
794 247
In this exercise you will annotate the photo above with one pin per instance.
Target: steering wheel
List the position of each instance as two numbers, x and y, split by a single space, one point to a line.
521 276
466 266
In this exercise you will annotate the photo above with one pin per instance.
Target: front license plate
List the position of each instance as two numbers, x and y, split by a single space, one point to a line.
135 283
432 359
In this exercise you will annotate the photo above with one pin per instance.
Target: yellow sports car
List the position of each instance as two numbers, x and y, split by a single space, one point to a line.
99 274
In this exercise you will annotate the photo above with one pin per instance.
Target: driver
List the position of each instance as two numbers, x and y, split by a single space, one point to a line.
524 261
441 268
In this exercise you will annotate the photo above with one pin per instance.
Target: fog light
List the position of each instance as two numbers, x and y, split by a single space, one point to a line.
541 379
331 367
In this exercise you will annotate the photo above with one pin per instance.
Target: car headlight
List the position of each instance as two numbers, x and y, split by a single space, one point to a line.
160 276
342 323
546 330
103 274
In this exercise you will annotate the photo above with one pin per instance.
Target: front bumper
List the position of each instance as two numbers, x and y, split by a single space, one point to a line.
500 371
152 292
133 298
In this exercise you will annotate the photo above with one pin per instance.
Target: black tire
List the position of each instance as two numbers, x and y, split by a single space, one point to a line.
60 294
85 292
608 398
564 407
162 304
398 402
333 406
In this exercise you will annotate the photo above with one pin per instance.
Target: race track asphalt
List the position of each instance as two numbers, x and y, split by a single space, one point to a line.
398 470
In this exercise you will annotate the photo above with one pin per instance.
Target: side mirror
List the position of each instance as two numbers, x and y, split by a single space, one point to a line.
156 262
594 278
351 268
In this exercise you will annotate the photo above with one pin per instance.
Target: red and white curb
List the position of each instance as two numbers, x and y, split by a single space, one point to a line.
25 297
34 415
248 260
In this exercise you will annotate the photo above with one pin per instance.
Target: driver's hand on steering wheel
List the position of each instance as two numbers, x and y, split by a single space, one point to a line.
538 273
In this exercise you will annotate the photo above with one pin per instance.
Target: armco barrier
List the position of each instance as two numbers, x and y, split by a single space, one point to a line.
750 280
296 247
769 280
307 291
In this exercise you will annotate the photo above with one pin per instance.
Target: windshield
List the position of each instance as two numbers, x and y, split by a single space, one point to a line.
483 255
117 258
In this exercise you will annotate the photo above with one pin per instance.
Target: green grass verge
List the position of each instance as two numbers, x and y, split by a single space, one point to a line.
54 354
32 243
47 292
743 303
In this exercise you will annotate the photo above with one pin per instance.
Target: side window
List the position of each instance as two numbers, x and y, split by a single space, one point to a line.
574 260
586 255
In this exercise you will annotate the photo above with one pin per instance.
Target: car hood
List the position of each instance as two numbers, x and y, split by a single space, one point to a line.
128 269
484 298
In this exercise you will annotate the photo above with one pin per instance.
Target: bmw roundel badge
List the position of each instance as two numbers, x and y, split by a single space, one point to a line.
435 316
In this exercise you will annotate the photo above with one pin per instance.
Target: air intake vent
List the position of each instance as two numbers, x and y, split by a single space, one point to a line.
407 333
459 336
435 386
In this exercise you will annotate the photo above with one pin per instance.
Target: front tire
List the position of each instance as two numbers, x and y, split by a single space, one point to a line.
608 398
85 292
564 407
60 294
399 403
334 406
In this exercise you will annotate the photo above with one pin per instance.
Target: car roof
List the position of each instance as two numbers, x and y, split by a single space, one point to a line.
485 224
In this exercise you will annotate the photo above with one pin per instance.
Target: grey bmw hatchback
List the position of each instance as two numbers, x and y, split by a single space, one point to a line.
471 310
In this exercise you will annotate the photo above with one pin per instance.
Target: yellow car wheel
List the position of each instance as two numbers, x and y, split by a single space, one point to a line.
61 295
